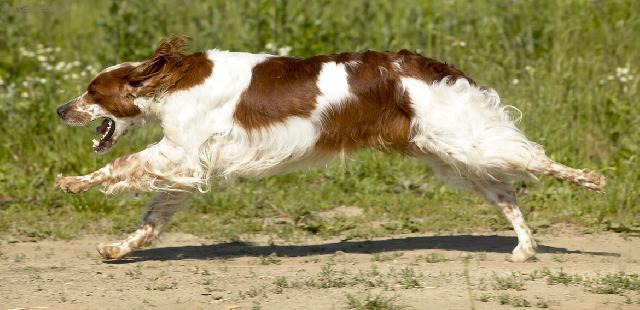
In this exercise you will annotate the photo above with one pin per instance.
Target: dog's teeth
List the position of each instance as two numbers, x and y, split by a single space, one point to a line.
95 142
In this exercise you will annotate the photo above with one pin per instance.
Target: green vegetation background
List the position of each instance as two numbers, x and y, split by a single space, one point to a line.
571 67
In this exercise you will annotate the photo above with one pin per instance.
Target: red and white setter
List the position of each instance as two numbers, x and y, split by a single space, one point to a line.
227 114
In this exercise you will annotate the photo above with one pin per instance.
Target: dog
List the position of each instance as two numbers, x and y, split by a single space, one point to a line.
227 114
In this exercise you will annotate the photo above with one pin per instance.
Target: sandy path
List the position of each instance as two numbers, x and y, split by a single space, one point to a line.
183 271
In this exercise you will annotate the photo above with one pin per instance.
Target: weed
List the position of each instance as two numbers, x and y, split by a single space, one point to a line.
329 277
252 292
20 257
408 278
381 257
135 273
484 297
271 259
281 283
433 258
615 283
562 277
511 282
514 301
161 286
373 302
541 303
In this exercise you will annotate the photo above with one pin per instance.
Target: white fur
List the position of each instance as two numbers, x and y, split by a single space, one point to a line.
468 129
334 89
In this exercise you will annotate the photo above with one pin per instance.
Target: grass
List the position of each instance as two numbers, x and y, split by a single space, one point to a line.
372 302
615 283
432 258
271 259
560 62
511 282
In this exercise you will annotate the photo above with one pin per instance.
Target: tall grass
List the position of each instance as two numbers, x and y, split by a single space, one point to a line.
571 67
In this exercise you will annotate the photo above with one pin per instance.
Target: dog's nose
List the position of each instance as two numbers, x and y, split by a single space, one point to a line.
60 111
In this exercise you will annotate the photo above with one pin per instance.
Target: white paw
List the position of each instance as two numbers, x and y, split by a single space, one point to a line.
521 254
113 250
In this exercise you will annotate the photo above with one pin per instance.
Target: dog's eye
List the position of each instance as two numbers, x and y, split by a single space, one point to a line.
92 92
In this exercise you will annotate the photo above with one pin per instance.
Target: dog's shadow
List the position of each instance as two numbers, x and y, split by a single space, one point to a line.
466 243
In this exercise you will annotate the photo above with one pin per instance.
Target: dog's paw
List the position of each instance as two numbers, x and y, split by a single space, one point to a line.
73 184
522 254
113 250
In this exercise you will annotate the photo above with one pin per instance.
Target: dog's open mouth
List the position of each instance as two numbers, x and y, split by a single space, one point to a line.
105 135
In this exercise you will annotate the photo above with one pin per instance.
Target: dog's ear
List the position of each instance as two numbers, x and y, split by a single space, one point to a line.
155 74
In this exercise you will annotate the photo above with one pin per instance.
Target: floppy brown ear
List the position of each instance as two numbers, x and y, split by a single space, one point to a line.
152 75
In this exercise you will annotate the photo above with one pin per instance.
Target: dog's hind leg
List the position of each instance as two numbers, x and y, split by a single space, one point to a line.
501 194
160 211
504 197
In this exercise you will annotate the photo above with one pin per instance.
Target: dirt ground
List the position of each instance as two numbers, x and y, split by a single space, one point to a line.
412 271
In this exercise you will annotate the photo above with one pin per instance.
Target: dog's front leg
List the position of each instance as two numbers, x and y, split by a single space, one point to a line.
134 171
164 205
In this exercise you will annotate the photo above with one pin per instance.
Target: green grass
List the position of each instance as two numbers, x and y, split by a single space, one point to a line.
570 66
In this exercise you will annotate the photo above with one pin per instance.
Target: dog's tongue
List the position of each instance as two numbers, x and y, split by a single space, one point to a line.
103 127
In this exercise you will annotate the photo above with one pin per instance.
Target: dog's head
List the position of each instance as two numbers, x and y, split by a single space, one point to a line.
115 94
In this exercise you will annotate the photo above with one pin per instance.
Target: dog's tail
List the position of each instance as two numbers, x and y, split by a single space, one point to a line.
586 178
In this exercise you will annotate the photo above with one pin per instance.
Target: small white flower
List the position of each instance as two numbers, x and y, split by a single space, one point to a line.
515 82
610 77
25 84
1 81
270 46
602 82
24 94
622 71
43 81
76 63
284 51
623 79
74 76
42 58
462 43
529 69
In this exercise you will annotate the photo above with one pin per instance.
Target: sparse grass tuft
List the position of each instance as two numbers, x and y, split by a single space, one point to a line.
511 282
615 283
382 257
373 302
433 258
161 286
562 277
271 259
407 278
514 301
485 297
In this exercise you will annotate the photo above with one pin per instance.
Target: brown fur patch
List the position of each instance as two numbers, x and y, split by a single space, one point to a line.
429 70
109 90
380 114
280 87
